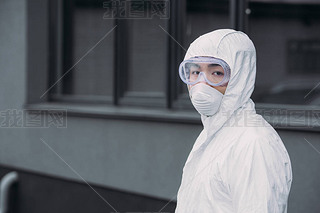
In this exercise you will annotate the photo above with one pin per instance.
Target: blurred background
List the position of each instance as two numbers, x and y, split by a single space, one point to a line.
94 117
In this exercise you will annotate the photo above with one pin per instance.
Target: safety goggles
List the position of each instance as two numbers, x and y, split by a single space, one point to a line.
212 70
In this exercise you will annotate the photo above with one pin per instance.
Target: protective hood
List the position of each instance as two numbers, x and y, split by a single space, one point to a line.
238 51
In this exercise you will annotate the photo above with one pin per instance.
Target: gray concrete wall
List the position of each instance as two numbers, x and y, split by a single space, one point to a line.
12 53
303 148
137 156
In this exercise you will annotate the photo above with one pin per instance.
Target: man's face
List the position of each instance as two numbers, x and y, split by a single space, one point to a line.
213 73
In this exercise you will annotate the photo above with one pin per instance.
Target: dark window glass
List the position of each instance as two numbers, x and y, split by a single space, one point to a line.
93 75
287 39
147 49
88 50
205 16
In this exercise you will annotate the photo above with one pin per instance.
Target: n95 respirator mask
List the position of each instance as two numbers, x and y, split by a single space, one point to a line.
205 99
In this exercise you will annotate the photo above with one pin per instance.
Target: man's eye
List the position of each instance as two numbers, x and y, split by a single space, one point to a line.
195 73
218 73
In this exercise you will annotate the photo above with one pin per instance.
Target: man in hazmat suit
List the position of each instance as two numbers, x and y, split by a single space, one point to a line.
238 163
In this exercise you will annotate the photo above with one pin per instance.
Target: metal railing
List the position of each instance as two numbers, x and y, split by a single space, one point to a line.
5 184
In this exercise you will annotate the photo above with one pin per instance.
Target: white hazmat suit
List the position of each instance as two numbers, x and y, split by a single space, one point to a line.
238 163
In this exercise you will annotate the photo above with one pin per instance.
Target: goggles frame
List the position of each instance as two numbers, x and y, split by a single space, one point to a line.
209 60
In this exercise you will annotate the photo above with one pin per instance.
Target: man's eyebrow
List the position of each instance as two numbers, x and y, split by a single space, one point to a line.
214 65
195 65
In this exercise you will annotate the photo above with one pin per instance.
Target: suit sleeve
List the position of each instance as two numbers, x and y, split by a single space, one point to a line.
259 177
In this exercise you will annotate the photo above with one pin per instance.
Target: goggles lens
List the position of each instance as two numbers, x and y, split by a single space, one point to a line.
204 69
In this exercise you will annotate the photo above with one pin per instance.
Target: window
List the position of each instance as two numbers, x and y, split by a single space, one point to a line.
128 52
287 39
135 63
111 52
144 78
84 51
